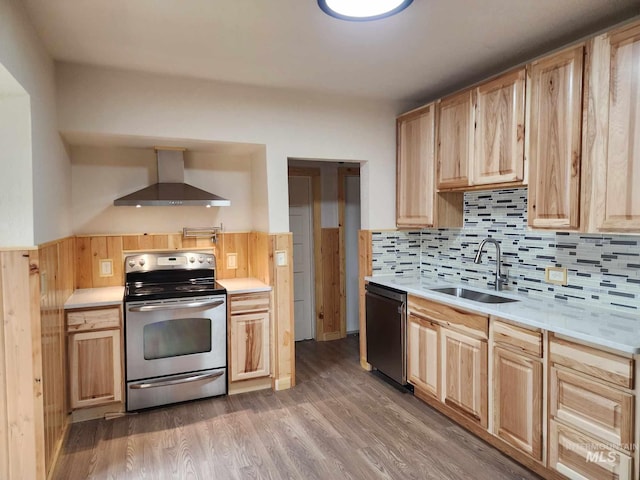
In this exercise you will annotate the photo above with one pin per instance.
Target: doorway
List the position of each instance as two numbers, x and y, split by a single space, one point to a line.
324 217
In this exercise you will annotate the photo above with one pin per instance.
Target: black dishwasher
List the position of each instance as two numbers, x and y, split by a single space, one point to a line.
386 314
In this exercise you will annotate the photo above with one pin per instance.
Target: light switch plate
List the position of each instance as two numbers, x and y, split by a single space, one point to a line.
555 275
232 261
106 268
281 258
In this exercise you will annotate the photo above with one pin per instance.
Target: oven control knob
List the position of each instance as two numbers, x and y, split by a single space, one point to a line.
141 262
209 260
132 263
192 259
200 259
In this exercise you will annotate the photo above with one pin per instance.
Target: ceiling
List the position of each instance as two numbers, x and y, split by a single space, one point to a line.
433 47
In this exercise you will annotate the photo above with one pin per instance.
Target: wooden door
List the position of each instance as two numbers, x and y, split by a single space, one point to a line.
454 150
614 155
555 129
249 346
423 358
499 137
95 374
578 456
517 397
415 189
464 374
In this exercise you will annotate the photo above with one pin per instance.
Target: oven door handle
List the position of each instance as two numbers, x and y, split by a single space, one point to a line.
176 381
178 306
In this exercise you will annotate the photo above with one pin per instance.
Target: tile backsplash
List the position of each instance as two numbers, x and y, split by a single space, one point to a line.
603 269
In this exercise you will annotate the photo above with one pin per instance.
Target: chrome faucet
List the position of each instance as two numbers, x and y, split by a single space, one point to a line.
500 279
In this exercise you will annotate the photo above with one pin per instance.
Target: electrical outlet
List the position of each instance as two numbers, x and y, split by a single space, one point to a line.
232 261
556 275
281 258
106 268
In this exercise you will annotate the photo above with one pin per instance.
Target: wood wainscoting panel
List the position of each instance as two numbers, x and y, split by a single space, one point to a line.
237 243
283 324
330 321
365 269
21 408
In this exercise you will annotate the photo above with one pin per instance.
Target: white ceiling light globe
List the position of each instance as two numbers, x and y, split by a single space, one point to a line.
362 9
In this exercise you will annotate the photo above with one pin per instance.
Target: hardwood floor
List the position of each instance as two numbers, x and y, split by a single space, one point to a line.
338 422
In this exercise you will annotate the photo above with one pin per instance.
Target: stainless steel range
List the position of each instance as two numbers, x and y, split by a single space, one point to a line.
175 329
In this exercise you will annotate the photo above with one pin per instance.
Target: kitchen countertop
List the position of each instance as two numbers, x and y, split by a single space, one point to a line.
95 297
598 326
244 285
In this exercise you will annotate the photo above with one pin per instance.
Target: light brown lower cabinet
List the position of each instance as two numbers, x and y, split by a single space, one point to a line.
250 346
423 355
603 412
95 376
250 329
579 457
464 374
517 400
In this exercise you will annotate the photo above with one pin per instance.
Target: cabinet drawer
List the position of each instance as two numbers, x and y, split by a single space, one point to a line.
462 320
249 302
578 456
521 339
601 411
79 320
606 366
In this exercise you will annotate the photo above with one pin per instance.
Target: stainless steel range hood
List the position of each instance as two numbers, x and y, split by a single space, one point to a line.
171 189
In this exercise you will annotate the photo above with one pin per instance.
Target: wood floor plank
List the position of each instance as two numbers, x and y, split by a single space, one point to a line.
339 422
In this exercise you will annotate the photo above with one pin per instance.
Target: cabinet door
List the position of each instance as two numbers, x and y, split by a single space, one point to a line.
455 140
415 189
614 156
423 355
464 374
555 140
499 135
249 346
579 457
95 368
517 396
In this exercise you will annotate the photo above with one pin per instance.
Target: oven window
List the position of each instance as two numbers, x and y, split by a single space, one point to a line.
173 338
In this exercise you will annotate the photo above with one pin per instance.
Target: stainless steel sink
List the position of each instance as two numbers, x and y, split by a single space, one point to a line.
472 295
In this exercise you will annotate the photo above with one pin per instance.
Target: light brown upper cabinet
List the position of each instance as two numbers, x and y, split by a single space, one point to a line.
499 130
455 140
613 139
415 168
555 128
417 203
481 134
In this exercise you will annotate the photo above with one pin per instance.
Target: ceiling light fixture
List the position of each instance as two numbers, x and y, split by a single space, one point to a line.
362 10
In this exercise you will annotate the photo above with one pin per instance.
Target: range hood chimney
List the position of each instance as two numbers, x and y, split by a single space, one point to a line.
171 189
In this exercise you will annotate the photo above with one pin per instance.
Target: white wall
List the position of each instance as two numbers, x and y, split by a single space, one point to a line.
16 191
290 124
23 55
102 174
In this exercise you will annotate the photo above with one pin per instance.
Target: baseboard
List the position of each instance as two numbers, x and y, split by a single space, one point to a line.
250 385
92 413
281 383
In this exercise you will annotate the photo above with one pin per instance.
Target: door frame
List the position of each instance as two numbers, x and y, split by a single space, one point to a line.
316 194
343 172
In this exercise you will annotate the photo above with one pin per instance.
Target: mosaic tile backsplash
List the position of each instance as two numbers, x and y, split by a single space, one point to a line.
602 269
